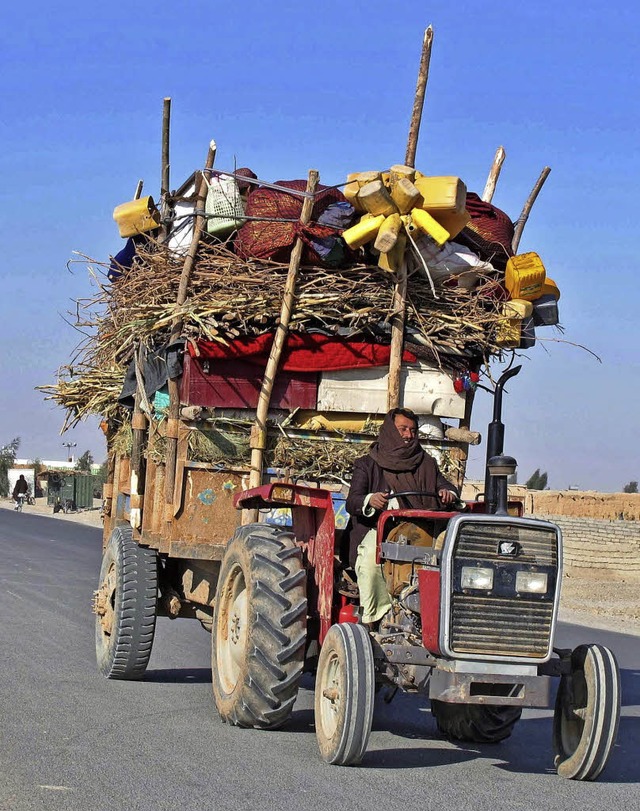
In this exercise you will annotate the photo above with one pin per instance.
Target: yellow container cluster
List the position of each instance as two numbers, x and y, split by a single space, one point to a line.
401 201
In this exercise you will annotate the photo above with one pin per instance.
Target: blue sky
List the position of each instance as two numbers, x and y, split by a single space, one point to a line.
285 87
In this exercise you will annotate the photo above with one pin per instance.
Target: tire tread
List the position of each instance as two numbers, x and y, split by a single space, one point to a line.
126 652
276 579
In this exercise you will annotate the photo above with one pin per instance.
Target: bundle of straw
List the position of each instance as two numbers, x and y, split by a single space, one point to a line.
229 297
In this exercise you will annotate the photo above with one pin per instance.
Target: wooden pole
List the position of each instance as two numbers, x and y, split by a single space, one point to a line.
494 174
397 338
418 103
259 431
176 328
165 169
460 453
138 432
400 290
526 210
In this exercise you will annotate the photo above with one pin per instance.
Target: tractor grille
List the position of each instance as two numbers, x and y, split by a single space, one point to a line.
499 626
503 622
480 542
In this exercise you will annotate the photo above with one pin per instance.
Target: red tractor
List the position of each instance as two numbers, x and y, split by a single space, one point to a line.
475 597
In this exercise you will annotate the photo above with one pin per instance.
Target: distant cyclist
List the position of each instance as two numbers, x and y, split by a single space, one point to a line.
20 492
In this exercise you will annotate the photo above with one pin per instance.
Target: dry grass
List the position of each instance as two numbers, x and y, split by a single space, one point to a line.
229 297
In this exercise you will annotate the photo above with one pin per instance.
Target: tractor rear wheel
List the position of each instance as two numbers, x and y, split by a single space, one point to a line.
259 628
125 604
479 723
344 694
587 713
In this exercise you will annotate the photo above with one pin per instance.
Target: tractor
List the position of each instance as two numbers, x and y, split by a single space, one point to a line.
475 595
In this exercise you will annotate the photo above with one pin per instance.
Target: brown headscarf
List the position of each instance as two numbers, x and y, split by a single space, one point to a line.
406 466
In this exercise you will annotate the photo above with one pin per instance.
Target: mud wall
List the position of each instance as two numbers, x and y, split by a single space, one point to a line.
584 504
601 547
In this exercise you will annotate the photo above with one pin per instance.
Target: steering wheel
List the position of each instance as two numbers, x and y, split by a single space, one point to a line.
439 504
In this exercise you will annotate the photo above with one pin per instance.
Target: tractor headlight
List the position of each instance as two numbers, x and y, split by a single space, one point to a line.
476 577
531 582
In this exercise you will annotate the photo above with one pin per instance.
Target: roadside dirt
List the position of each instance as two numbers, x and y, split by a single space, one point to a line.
591 599
587 597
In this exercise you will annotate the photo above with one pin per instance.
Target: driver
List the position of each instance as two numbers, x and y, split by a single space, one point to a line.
395 463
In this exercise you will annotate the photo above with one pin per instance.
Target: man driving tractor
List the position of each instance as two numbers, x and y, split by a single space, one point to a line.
395 463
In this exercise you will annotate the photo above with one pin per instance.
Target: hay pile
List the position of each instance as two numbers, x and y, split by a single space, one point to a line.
229 297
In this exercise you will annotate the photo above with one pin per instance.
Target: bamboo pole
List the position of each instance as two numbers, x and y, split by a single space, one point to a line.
176 328
418 103
526 210
165 168
259 431
494 174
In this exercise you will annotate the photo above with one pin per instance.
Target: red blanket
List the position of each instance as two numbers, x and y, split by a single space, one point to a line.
302 352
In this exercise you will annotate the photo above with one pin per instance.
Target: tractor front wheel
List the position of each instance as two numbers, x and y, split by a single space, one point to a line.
344 694
587 712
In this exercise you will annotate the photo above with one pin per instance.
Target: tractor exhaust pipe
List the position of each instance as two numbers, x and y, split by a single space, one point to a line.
495 440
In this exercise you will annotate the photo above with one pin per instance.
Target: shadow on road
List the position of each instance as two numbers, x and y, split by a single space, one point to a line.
417 758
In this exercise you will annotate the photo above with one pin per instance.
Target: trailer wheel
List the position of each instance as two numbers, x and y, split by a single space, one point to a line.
587 713
125 604
344 694
259 628
479 723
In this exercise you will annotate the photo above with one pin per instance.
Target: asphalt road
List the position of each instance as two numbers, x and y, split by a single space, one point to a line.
70 739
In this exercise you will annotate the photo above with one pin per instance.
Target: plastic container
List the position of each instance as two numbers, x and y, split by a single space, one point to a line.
545 311
442 193
363 231
399 171
375 198
527 333
223 205
428 225
393 259
524 276
405 195
425 389
388 233
350 191
509 332
453 222
136 216
550 288
332 421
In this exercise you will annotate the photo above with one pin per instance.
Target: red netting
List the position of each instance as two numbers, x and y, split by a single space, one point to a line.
274 240
490 232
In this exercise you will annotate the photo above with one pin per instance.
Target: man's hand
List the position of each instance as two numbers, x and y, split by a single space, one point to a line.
379 501
446 496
